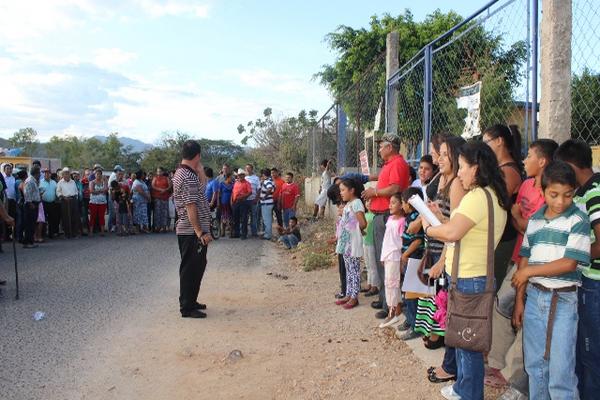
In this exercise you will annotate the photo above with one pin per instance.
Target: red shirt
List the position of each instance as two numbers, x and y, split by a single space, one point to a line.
289 192
393 172
161 182
530 199
241 188
278 186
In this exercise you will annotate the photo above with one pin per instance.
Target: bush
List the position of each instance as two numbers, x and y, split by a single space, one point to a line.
314 260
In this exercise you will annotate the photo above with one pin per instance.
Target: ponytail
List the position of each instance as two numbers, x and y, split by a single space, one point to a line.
512 140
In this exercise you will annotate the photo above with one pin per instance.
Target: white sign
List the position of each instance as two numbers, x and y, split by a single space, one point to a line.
378 117
364 162
469 98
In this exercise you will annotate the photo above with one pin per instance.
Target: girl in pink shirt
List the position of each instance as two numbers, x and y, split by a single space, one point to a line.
391 255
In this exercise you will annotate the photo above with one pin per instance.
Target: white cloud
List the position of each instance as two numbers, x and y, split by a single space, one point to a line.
113 57
157 8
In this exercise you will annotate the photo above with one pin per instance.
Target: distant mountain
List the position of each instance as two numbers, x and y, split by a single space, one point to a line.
136 145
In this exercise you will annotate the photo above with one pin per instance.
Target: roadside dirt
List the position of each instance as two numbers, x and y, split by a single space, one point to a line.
295 342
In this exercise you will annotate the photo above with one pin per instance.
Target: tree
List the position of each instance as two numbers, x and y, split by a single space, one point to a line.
585 107
280 141
25 138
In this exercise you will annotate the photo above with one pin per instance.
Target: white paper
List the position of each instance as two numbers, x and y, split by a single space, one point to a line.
423 210
412 283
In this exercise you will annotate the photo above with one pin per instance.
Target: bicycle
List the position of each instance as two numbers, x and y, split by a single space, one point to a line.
215 225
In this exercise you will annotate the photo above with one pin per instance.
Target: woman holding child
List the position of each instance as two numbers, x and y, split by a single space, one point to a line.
478 172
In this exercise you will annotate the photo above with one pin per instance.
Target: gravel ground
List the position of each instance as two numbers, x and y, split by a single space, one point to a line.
112 329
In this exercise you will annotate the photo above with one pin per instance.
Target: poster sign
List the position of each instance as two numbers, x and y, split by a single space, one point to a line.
364 162
378 117
469 98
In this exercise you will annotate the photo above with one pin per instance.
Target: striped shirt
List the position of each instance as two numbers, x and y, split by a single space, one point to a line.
267 188
587 199
187 189
565 236
408 238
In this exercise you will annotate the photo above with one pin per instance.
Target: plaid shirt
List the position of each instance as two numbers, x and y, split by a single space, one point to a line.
32 193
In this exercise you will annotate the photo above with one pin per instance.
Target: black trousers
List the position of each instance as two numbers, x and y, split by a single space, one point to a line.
52 214
191 270
278 214
342 270
69 207
31 214
240 218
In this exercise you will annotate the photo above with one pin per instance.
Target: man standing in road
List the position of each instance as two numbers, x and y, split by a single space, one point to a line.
393 178
193 229
68 194
254 199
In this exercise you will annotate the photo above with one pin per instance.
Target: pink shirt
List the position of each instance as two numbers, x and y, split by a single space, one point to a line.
391 249
530 199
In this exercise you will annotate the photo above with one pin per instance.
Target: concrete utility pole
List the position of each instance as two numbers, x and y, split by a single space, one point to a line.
555 60
391 66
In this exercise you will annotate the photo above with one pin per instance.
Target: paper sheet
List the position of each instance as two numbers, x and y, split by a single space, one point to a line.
412 283
423 210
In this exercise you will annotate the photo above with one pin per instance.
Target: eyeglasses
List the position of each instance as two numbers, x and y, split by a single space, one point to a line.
489 140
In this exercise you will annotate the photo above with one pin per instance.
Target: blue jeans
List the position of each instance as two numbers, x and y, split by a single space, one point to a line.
587 366
267 216
554 378
289 240
240 219
470 372
410 310
253 212
287 214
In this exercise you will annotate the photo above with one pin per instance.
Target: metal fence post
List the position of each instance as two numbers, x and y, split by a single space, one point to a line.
534 70
341 137
427 96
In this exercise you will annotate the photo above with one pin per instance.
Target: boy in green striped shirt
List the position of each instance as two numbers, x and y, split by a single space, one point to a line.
578 155
556 243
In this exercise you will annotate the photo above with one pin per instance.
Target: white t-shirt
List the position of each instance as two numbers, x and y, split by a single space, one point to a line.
391 249
255 184
350 237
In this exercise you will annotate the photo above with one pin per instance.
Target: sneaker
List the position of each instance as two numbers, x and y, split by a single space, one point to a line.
403 326
512 394
389 321
449 394
408 335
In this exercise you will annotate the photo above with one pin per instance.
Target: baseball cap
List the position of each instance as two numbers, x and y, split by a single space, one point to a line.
241 171
66 169
118 168
390 138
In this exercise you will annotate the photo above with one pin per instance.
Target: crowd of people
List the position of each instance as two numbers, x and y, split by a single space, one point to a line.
507 280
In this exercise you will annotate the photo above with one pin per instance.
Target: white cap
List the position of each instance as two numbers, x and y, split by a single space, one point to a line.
66 169
241 171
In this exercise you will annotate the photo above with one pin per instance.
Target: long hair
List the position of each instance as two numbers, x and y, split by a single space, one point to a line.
453 143
512 140
354 184
488 173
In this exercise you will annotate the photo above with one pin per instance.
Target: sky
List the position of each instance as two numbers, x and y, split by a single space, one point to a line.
142 67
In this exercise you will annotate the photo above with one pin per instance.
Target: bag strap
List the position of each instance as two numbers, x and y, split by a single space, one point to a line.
489 285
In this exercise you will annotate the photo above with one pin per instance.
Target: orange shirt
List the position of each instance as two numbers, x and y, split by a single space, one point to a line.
241 188
278 186
161 182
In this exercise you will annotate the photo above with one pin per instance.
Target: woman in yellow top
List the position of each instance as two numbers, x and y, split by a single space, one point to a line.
478 171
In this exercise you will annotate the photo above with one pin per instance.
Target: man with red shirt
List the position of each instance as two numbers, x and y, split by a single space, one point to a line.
393 178
290 193
241 205
278 181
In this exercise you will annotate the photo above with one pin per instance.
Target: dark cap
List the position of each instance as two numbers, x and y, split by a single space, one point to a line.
390 138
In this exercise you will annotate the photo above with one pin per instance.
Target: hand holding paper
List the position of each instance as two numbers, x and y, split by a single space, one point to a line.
423 210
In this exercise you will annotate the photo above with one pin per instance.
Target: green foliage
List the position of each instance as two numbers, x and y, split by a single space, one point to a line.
279 142
313 261
585 103
25 138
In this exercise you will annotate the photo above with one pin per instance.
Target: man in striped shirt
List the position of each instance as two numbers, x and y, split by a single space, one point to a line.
193 229
267 188
578 155
556 243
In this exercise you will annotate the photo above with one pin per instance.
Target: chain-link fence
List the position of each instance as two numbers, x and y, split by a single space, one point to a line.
474 75
585 70
340 133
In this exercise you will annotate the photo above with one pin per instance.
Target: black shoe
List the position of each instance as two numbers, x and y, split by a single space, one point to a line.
340 295
193 314
2 282
382 314
377 305
199 306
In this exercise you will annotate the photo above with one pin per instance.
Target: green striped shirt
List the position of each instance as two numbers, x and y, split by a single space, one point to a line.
587 199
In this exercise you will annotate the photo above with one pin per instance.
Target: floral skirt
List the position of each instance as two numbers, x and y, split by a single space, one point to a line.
140 213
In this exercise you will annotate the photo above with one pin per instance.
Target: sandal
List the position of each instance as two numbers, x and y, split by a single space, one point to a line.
434 344
433 378
373 292
494 378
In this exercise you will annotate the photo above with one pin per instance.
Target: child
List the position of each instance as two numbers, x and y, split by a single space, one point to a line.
372 288
290 236
507 345
578 155
333 194
349 243
412 247
391 257
290 193
425 172
121 204
556 242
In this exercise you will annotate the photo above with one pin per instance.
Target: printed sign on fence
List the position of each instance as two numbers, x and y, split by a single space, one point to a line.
364 162
469 98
